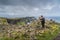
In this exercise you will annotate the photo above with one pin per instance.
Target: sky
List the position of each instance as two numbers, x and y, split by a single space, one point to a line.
23 8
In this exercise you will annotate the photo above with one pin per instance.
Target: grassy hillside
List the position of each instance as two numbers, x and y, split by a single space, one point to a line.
33 31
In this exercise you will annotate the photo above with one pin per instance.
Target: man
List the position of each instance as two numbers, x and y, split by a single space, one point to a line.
42 19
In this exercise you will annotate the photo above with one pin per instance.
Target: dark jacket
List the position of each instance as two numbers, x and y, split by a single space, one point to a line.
42 20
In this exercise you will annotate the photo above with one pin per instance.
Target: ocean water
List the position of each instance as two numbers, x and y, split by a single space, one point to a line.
57 19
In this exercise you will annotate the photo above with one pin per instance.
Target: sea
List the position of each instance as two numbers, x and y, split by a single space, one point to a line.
56 19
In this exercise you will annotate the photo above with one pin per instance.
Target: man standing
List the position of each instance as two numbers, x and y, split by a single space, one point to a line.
42 19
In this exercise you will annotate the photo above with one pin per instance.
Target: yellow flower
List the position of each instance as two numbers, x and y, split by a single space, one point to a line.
14 33
42 31
54 27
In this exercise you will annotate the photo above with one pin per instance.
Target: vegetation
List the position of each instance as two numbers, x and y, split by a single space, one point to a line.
20 21
32 31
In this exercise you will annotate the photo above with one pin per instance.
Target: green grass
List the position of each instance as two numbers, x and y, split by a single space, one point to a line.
45 34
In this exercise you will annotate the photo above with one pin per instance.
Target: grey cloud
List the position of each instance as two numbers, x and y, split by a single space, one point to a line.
23 7
25 2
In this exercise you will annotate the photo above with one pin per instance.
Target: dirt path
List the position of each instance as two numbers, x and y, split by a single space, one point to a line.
58 37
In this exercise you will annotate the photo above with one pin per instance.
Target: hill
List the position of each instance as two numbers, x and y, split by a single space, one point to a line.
32 31
16 21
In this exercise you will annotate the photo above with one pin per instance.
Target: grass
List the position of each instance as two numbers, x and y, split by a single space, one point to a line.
30 32
46 34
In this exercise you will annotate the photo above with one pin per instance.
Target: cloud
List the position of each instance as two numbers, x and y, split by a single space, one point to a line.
49 7
27 7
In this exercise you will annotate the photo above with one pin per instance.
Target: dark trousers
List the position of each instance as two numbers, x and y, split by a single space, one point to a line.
43 24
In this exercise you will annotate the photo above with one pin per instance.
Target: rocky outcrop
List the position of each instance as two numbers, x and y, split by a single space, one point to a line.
25 19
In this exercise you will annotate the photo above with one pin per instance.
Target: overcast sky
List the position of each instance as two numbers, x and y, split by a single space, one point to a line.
22 8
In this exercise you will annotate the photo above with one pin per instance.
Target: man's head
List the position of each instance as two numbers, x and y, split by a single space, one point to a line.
41 15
